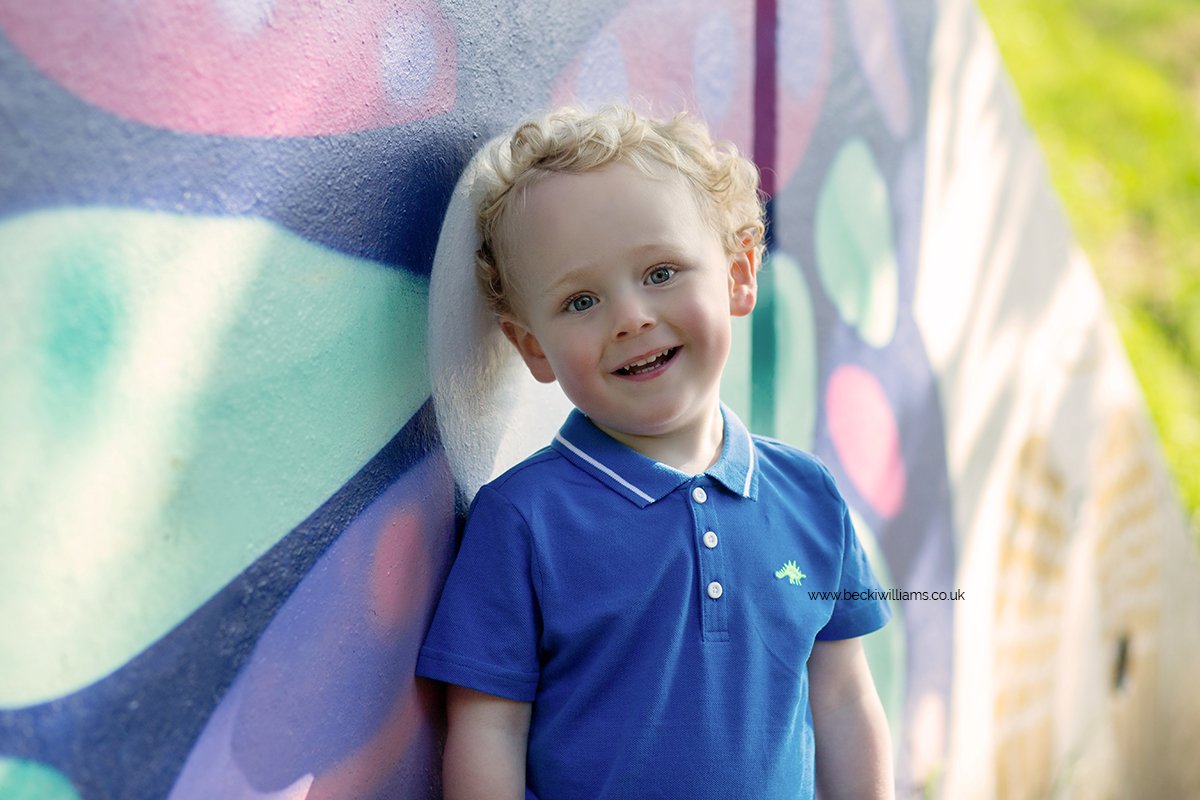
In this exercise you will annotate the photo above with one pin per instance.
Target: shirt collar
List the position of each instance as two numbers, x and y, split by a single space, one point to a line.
642 480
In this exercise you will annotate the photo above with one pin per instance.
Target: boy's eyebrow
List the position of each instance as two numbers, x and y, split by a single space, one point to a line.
573 273
569 276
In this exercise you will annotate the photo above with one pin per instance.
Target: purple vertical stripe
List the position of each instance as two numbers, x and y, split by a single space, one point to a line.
766 124
766 19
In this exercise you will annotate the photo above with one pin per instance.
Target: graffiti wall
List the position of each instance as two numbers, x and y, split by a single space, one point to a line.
246 389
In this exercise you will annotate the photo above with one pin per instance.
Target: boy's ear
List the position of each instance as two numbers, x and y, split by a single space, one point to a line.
527 345
743 281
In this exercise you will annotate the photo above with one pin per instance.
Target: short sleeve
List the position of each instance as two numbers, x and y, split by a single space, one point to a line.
861 607
485 632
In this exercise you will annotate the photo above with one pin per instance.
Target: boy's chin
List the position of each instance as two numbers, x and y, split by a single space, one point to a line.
649 425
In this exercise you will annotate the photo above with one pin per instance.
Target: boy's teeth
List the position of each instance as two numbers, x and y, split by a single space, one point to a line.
640 366
649 360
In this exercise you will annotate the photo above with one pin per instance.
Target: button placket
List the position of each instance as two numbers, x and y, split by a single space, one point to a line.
712 586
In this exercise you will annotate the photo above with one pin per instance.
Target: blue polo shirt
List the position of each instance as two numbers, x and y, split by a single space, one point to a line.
659 622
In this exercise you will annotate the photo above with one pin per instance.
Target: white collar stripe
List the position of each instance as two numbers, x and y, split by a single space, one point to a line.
749 468
604 469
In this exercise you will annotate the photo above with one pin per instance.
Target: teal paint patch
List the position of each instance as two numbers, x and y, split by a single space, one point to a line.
239 376
762 355
81 314
855 245
796 397
28 780
771 378
735 379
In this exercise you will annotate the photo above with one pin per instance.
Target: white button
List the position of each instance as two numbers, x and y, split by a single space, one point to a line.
699 495
715 590
710 539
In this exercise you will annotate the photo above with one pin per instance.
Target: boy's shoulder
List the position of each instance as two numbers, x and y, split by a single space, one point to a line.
537 461
795 464
538 472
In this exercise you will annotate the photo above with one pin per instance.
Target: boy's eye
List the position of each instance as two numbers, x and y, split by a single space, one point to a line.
581 302
660 275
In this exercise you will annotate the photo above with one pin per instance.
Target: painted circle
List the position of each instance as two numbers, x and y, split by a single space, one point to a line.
866 437
796 394
29 780
855 245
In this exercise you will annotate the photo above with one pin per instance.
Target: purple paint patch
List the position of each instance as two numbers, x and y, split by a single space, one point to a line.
765 91
602 74
805 62
638 56
715 66
328 701
874 27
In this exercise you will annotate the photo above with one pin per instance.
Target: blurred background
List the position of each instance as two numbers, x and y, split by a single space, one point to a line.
243 404
1112 90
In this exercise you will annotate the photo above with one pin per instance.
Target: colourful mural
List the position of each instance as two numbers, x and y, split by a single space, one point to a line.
247 389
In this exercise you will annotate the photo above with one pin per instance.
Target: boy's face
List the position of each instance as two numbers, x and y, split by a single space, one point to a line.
623 294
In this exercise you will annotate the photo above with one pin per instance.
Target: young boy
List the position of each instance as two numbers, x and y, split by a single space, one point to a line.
632 613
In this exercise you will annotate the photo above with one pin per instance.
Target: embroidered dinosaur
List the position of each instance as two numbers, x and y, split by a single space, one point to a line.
791 572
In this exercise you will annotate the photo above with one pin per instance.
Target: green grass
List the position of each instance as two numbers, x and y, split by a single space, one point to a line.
1112 90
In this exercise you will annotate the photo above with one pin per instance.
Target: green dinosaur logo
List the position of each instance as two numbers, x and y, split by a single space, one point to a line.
791 572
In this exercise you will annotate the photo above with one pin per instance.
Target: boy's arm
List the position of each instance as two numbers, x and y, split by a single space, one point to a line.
854 748
485 746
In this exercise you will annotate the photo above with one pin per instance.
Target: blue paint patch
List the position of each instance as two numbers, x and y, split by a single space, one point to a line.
378 195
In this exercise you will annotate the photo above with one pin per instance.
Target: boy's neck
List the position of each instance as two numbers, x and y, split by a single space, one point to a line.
691 450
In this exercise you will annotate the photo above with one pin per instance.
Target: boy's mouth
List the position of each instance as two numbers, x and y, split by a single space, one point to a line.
649 363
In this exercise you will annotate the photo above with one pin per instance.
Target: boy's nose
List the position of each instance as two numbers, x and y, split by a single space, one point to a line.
631 318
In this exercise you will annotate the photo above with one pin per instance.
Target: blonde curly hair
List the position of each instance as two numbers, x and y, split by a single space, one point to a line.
572 141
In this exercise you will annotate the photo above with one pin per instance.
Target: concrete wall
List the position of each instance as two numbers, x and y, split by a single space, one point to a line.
245 385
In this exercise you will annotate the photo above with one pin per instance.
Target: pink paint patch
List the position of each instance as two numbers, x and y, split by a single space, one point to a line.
288 68
405 575
866 437
639 54
399 578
